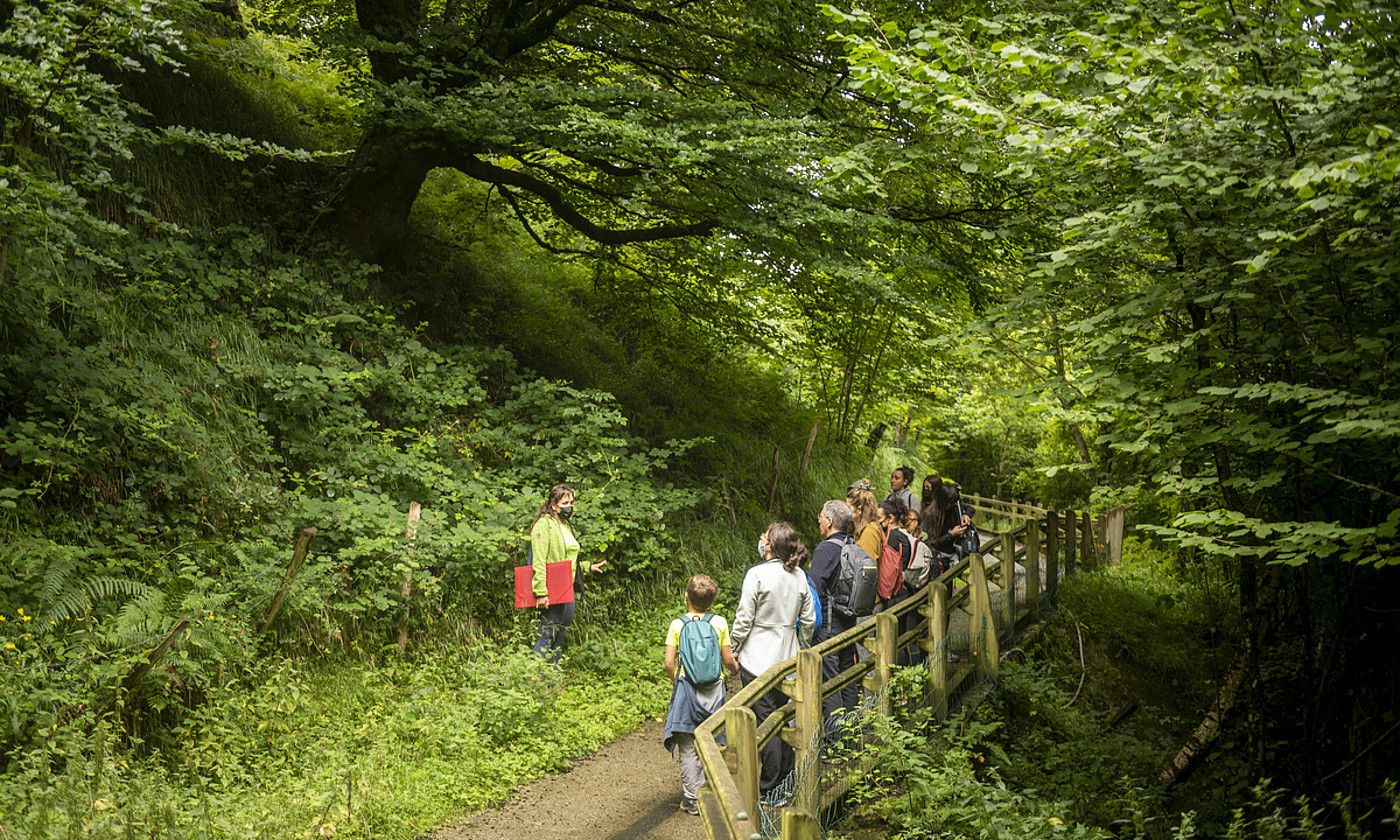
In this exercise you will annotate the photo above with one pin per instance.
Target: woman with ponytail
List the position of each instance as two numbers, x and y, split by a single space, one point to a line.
776 615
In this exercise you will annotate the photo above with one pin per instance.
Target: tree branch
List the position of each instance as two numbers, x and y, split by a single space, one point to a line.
475 167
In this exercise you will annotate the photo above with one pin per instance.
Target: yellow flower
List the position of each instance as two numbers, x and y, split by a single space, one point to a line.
19 611
1056 821
2 616
26 618
9 646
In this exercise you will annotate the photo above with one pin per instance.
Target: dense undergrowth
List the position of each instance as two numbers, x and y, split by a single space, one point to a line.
188 379
1070 740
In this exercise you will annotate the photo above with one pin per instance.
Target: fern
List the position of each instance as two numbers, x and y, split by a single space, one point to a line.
80 596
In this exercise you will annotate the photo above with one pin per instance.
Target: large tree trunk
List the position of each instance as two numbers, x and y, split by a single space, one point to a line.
372 209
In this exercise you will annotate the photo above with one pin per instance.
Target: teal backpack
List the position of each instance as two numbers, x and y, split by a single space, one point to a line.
699 651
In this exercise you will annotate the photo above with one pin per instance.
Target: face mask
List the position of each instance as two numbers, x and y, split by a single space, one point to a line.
566 511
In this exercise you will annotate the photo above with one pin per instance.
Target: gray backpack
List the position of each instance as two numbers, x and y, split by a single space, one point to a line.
855 583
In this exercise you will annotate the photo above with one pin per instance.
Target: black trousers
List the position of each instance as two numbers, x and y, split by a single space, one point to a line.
776 757
834 663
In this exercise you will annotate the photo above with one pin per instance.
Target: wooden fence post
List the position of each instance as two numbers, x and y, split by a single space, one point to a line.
807 695
807 452
984 631
1033 568
1091 552
799 824
415 511
741 747
1070 544
1115 521
773 485
936 611
293 569
133 679
1052 554
1008 582
886 634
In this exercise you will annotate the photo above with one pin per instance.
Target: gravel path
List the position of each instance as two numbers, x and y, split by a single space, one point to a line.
629 789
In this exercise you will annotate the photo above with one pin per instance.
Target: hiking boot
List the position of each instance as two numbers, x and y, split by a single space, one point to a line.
689 806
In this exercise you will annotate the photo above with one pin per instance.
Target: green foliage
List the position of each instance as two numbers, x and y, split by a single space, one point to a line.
387 750
940 783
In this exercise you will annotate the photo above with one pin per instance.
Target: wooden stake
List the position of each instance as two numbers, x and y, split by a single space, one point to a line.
138 673
1052 554
936 610
293 569
741 739
415 511
1033 568
808 699
807 451
773 486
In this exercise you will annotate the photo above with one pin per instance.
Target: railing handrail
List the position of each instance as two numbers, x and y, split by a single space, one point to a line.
730 801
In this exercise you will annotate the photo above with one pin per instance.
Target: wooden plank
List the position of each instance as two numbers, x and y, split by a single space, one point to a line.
1052 554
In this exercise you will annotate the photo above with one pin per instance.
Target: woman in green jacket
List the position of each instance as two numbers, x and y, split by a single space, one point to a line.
553 541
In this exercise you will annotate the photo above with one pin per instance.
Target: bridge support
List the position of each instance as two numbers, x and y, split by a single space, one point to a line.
984 629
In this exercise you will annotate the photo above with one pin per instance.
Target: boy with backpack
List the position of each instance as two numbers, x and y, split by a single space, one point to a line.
697 654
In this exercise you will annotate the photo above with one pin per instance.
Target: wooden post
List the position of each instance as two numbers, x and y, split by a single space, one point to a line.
807 451
298 558
1008 582
1052 554
799 824
1070 545
741 742
1091 552
936 611
984 631
1115 522
1033 568
415 511
157 653
807 695
886 634
773 485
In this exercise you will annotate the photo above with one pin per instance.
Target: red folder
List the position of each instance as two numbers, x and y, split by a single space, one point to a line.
558 580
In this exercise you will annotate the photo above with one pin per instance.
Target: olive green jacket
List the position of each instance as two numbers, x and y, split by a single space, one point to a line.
547 546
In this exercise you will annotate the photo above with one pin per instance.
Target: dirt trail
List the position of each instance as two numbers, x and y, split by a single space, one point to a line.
628 789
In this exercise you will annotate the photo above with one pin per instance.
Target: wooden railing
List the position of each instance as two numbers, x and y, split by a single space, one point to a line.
1046 544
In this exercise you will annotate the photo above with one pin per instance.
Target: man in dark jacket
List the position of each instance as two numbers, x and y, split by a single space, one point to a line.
834 522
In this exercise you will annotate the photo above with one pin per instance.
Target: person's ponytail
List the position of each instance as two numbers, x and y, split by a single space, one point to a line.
786 545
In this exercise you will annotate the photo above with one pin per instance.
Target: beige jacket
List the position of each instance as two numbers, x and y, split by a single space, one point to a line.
765 628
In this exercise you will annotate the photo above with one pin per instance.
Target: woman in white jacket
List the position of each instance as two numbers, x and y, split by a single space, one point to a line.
776 615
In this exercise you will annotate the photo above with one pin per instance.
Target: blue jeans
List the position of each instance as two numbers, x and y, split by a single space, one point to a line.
554 627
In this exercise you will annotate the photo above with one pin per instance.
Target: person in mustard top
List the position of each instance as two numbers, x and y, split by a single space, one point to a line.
865 518
553 541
